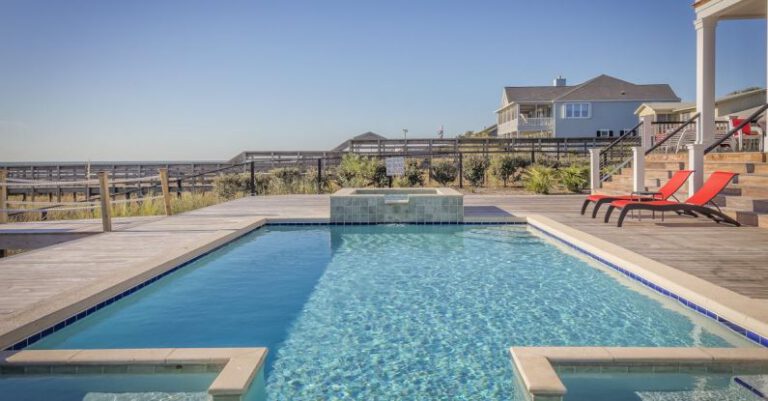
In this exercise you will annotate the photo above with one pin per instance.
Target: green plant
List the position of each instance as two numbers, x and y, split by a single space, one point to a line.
540 179
288 175
474 169
575 178
379 176
505 167
444 172
412 175
228 186
261 183
358 171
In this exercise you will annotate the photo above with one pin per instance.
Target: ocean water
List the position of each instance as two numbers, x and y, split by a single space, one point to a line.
391 311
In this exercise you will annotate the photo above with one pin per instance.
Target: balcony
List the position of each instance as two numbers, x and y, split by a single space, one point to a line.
535 123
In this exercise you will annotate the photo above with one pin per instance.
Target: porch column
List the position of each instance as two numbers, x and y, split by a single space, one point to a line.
705 79
695 163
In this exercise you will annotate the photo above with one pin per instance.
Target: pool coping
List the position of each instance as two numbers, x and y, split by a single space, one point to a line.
236 367
538 367
743 315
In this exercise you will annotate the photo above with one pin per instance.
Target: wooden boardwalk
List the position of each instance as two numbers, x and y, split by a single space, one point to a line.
41 282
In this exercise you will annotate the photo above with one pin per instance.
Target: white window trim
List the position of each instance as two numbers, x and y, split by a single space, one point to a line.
581 105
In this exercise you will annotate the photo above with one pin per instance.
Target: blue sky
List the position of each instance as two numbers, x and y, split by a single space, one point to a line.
182 80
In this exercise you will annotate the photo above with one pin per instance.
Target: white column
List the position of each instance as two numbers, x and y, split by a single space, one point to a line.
705 78
646 131
695 163
638 169
594 170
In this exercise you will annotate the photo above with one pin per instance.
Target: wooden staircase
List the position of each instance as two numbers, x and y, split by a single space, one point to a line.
746 199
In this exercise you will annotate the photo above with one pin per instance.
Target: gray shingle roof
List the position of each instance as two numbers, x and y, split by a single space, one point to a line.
603 87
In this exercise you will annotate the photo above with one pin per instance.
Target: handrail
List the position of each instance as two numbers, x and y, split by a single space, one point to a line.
736 129
675 132
186 177
621 138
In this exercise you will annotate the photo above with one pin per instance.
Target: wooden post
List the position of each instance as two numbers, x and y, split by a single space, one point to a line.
166 191
106 206
252 182
461 170
3 196
319 176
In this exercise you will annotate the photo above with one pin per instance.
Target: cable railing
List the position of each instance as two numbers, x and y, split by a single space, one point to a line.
618 154
738 129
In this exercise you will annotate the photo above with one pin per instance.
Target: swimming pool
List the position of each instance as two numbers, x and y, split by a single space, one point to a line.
391 311
654 387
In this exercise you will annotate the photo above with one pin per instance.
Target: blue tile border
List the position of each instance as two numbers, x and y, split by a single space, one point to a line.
749 387
87 312
749 335
419 223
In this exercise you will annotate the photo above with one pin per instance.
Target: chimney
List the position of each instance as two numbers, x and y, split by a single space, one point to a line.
559 81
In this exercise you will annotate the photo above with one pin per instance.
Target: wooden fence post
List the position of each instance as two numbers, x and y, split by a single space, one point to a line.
166 190
106 205
3 196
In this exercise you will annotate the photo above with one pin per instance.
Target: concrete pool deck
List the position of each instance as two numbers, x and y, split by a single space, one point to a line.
45 286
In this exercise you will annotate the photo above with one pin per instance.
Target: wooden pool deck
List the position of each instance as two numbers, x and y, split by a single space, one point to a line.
43 285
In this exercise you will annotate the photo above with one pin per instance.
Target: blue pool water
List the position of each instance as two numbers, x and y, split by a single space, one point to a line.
113 387
389 312
654 387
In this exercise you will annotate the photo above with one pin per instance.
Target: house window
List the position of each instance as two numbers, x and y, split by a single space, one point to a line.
577 110
605 133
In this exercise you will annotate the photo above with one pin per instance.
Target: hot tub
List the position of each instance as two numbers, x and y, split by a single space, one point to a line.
397 205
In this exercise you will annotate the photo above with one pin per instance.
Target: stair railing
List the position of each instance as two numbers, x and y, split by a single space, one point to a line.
753 117
672 134
614 156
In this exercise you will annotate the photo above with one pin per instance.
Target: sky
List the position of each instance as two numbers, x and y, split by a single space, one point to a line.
205 80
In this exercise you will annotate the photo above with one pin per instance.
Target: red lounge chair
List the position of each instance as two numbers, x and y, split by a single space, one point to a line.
692 206
665 192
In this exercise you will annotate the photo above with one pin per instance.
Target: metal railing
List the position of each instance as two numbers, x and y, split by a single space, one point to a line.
618 154
729 135
675 133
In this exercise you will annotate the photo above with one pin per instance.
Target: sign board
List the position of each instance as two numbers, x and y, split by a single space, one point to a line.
395 166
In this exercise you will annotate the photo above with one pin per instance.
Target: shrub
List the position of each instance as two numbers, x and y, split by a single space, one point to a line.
505 167
262 181
412 175
228 186
474 169
575 178
287 175
540 179
444 172
379 177
358 171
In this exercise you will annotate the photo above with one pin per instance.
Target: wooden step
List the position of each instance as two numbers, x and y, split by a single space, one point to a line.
744 157
743 203
747 218
747 157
